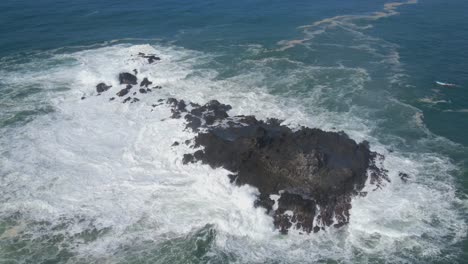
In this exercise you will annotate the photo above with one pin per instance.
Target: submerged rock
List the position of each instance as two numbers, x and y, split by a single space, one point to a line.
314 173
150 57
127 78
404 176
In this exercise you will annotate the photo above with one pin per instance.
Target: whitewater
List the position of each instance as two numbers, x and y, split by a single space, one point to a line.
99 182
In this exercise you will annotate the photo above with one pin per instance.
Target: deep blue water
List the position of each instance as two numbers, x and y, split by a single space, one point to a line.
53 24
360 72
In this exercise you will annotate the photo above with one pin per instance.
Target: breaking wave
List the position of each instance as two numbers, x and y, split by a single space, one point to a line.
95 181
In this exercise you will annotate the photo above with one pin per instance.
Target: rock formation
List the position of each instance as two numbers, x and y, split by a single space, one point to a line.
306 177
313 172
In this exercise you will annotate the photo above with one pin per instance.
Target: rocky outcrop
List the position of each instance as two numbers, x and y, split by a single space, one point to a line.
306 177
314 173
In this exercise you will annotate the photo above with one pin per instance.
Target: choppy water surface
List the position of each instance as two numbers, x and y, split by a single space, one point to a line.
93 181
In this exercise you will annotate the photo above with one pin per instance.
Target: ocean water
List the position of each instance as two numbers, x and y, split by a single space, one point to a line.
93 181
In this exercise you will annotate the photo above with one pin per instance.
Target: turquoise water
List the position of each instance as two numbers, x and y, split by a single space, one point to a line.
88 181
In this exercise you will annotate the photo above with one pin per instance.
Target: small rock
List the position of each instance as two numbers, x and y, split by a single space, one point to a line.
135 71
82 98
175 144
127 78
142 90
145 82
152 58
123 92
171 101
127 99
102 87
111 99
403 176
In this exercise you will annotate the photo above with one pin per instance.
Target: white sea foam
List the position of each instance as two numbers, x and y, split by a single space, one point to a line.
112 164
348 22
347 35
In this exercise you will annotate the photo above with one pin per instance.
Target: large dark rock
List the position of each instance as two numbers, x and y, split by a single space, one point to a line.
314 172
127 78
